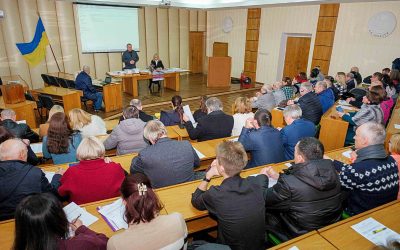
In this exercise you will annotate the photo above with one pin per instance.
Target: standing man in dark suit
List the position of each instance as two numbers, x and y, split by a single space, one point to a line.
84 82
130 57
216 124
166 162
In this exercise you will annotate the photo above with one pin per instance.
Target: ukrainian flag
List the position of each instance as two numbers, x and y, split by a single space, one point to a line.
35 51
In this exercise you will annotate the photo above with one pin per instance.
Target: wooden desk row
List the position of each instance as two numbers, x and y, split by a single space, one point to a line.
394 119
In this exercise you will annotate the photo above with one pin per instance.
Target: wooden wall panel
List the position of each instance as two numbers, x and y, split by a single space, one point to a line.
173 35
201 20
163 36
151 33
254 13
252 45
12 31
47 10
322 52
324 64
250 56
193 20
253 23
4 66
324 38
184 38
252 35
326 23
142 40
331 10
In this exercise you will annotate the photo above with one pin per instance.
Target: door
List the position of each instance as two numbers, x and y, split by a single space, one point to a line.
296 57
196 51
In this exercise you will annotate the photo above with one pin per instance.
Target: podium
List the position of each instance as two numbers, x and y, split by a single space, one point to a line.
219 71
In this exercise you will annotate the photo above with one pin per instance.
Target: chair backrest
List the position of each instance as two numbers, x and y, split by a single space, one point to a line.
29 97
53 81
47 101
45 78
71 84
62 82
358 92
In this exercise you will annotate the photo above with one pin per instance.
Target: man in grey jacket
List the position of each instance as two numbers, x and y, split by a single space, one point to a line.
130 57
166 162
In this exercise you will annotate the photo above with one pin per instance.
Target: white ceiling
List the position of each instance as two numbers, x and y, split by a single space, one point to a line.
216 4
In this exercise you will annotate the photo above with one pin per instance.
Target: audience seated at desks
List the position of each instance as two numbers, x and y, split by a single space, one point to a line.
262 140
94 178
166 162
21 130
296 129
88 124
19 179
43 128
243 111
41 223
83 82
61 142
307 195
127 136
264 99
309 103
373 177
325 95
147 228
238 203
216 124
394 149
173 117
5 135
370 112
202 111
142 115
278 93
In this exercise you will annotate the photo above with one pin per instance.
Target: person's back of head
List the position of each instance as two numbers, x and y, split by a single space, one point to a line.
320 86
5 134
263 117
90 148
154 130
213 104
386 71
203 106
350 76
177 103
142 204
242 105
395 75
130 112
287 81
378 76
292 112
329 81
86 69
267 88
13 149
55 109
8 114
355 69
79 118
137 103
314 73
394 144
308 149
370 133
58 134
231 158
376 94
40 222
305 88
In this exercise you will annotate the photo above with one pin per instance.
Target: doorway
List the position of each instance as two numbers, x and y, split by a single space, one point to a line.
196 51
295 50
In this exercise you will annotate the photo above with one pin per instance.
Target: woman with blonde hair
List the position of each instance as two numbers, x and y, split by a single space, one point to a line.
242 110
43 128
88 124
394 149
94 178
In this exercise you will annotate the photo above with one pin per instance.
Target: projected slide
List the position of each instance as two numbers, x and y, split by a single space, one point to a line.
107 28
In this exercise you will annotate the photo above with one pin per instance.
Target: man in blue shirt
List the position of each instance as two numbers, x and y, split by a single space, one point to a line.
84 82
130 57
296 129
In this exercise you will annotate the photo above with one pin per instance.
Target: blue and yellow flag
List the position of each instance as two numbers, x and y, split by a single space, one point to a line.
35 51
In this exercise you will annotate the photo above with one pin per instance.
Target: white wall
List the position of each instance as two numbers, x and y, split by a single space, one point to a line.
236 38
355 46
275 22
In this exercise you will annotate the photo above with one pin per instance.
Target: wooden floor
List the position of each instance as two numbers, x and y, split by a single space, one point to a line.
192 87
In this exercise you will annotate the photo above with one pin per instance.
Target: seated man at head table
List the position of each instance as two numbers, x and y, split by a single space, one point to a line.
142 115
307 196
19 179
309 103
296 129
84 82
21 130
130 57
372 179
237 203
216 124
262 140
166 162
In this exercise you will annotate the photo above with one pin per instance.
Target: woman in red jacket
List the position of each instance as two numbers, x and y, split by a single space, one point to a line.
94 178
40 223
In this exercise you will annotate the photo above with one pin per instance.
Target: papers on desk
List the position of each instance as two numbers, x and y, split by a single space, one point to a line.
397 126
288 164
21 122
114 215
375 232
49 175
199 154
188 113
347 153
294 248
37 148
234 139
343 102
72 210
345 107
271 182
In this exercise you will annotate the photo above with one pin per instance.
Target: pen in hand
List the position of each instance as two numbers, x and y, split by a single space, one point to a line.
74 221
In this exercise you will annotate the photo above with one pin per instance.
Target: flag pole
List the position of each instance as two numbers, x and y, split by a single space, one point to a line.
51 47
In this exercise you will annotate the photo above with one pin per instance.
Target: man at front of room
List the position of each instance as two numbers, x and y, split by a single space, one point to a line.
130 57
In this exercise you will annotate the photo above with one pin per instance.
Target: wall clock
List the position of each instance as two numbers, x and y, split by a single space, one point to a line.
382 24
227 24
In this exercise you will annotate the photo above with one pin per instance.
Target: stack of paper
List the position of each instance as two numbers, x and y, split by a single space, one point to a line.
271 182
114 215
343 102
188 113
74 211
49 175
347 154
199 154
375 232
36 147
